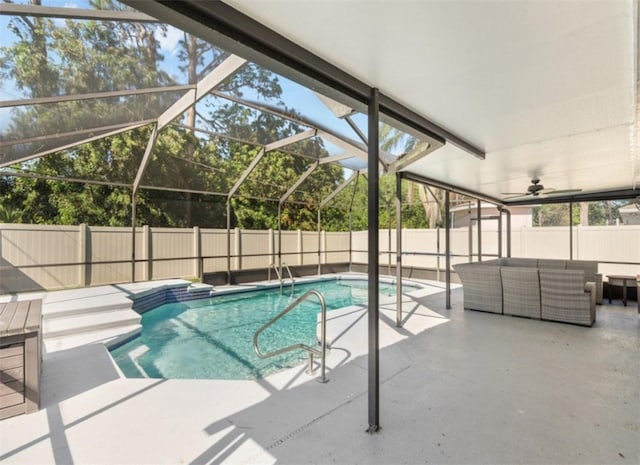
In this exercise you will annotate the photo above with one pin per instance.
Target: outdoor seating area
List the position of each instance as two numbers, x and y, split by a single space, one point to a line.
555 290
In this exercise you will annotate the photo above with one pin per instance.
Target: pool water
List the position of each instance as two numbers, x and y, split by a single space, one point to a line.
213 338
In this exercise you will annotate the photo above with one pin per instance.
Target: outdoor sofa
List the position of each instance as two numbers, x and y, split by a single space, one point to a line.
555 290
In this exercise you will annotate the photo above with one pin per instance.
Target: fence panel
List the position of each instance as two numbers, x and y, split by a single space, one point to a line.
310 244
113 244
25 245
360 247
336 241
213 243
172 243
290 247
255 242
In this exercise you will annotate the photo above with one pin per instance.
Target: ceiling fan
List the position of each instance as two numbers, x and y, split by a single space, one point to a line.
536 189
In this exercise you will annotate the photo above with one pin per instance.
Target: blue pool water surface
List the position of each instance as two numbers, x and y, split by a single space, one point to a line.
213 338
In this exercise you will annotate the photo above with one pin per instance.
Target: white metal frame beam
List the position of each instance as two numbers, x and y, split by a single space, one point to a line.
269 148
421 150
10 9
203 87
335 158
145 159
308 134
111 127
343 142
339 189
92 96
76 144
246 173
300 180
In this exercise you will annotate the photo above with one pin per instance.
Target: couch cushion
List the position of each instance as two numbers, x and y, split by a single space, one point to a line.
549 263
589 267
481 286
520 291
520 261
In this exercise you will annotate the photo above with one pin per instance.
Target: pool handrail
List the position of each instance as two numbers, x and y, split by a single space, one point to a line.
322 353
273 266
279 275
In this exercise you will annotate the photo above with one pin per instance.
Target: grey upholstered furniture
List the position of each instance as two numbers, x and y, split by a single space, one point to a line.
513 286
520 291
591 275
482 286
564 296
589 267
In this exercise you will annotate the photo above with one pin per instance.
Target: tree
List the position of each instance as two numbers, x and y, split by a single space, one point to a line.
49 58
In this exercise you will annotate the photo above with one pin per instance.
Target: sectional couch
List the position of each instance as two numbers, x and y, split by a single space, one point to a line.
556 290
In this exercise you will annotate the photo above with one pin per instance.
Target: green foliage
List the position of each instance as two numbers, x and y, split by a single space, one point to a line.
599 213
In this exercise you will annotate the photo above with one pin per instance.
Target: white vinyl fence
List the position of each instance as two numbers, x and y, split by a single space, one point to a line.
37 257
34 257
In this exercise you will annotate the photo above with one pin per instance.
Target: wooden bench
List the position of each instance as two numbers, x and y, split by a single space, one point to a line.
20 357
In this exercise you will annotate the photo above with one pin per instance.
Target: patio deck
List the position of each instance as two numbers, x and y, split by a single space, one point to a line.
456 387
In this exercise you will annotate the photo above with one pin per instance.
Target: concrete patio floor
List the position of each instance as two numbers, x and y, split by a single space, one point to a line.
456 387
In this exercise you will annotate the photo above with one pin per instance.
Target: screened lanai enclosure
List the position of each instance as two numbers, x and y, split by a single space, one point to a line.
246 138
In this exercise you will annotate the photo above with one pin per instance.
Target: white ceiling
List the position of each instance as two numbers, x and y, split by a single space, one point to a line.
545 88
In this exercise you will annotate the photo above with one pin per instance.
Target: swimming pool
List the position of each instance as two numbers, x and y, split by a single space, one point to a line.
213 338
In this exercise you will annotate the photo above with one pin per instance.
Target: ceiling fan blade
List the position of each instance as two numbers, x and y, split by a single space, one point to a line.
562 191
515 196
514 193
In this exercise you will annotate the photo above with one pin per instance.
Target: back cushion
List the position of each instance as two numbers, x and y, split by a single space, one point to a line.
520 261
557 264
590 268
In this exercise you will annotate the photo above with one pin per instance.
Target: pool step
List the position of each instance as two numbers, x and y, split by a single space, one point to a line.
93 300
88 322
109 337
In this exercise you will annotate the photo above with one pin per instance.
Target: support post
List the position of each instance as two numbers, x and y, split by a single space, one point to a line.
228 241
325 258
438 254
271 247
499 232
447 247
355 188
319 242
470 235
83 254
479 223
133 236
146 246
398 250
373 239
508 212
300 248
389 251
197 253
280 238
237 251
570 230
